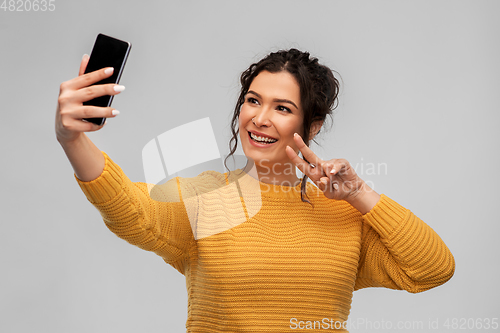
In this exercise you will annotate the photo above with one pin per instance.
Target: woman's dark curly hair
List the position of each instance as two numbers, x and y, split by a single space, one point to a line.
319 90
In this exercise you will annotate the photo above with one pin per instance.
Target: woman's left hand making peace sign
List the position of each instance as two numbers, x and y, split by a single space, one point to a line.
336 178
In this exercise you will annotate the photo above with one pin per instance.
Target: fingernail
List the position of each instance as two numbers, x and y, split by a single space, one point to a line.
324 181
336 186
115 112
85 56
109 70
119 88
333 171
295 134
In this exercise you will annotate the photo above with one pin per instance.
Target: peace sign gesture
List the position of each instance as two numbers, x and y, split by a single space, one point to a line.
336 178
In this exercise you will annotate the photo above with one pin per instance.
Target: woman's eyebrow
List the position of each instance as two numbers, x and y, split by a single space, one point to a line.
278 100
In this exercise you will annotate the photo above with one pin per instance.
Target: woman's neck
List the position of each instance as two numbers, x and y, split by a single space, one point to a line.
270 174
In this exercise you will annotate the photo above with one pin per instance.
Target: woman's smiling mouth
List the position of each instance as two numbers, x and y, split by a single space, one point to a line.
261 141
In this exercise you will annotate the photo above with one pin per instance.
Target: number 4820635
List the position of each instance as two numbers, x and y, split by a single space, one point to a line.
28 5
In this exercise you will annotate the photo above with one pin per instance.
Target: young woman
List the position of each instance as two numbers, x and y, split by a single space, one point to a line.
262 250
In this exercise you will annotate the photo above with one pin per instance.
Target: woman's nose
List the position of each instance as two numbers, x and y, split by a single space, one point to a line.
262 119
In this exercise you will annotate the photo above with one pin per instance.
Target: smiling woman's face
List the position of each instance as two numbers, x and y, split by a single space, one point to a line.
273 102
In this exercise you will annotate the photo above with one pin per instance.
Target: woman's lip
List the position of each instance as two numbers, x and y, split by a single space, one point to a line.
260 145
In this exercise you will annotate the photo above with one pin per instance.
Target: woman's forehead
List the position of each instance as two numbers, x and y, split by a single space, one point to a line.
281 85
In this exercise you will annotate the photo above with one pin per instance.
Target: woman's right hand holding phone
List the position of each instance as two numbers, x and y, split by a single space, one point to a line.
70 109
86 159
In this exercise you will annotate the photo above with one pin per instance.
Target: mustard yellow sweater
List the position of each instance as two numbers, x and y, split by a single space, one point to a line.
258 259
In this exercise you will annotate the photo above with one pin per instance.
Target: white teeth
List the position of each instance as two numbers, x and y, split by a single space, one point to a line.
259 138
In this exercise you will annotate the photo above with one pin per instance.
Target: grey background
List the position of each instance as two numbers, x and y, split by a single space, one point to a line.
420 95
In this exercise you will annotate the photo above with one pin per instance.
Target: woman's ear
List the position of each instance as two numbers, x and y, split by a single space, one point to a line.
315 127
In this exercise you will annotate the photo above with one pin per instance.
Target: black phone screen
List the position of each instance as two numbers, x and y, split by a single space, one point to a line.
107 52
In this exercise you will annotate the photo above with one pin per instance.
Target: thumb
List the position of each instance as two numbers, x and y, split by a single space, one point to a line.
323 184
83 64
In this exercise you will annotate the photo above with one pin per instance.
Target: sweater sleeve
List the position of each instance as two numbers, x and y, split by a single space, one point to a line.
400 251
129 212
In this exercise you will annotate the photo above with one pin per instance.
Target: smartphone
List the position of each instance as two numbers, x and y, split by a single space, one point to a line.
107 52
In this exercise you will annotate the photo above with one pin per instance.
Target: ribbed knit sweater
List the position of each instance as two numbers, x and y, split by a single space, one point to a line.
258 259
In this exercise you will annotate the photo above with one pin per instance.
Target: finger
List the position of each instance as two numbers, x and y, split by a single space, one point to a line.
95 127
312 172
77 125
306 151
88 79
328 186
333 175
327 167
297 160
89 93
322 184
339 167
89 111
83 64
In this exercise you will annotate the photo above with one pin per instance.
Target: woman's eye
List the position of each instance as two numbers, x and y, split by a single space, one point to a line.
252 100
284 108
